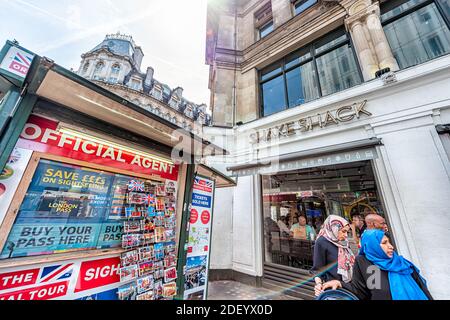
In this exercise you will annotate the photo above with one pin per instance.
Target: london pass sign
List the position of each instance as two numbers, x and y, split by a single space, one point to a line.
307 124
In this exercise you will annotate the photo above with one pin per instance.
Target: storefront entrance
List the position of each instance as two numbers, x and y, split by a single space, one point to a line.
296 203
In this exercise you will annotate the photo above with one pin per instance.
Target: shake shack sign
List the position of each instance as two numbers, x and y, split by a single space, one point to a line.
307 124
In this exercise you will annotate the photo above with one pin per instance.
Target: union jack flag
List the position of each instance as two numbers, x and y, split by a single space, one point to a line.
149 199
202 182
135 185
58 272
21 63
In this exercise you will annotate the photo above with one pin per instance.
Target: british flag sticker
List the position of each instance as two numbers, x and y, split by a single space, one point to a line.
52 282
17 62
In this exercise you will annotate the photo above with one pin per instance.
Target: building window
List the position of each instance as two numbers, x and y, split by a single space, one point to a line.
135 84
86 68
265 30
157 94
264 21
319 69
303 5
416 30
98 70
174 103
115 70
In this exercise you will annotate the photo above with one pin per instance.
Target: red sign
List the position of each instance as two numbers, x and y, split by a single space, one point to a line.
203 185
280 198
194 216
11 280
45 292
206 217
98 273
206 248
41 134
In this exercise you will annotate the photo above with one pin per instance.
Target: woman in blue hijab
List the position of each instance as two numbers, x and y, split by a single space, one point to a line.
380 273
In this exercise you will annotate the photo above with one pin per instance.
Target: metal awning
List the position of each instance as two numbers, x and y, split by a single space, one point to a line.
354 151
222 181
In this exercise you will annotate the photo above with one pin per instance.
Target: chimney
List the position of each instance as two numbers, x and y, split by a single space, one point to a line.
179 92
149 77
138 56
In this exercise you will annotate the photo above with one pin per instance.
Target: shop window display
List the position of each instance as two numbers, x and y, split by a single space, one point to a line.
148 267
297 203
71 208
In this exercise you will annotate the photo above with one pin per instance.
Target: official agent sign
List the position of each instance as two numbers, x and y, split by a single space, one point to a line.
41 134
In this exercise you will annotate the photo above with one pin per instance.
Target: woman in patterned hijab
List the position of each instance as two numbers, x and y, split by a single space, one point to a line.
335 229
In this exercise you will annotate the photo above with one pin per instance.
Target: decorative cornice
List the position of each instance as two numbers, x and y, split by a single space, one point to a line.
361 16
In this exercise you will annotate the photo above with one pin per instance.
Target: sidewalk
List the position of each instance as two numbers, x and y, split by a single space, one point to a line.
230 290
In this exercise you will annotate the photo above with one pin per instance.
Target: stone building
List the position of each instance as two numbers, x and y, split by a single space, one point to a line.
116 65
329 107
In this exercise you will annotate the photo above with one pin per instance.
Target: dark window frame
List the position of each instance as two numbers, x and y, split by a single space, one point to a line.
297 3
260 29
311 50
391 5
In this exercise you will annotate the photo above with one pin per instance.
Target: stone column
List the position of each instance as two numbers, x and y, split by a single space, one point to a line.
372 47
379 40
367 60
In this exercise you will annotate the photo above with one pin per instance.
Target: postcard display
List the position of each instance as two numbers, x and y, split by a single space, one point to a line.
148 267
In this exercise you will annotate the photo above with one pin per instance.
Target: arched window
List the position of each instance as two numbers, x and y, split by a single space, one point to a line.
115 70
98 70
86 67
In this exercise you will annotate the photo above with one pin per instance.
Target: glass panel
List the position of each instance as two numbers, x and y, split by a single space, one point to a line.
302 85
264 31
445 4
71 208
273 96
298 57
328 42
303 5
399 9
270 71
296 203
337 70
418 37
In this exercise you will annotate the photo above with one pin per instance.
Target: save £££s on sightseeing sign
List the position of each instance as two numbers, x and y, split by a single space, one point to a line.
83 279
199 243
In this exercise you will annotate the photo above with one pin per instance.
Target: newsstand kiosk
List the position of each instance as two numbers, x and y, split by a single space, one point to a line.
92 204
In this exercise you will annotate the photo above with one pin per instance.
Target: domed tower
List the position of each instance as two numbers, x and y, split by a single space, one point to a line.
115 60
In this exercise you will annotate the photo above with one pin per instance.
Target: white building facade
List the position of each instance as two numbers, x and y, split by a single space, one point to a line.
379 146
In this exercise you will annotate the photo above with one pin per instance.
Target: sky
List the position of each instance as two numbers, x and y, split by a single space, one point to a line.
171 33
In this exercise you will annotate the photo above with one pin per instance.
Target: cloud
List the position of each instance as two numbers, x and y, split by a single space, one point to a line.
103 28
22 5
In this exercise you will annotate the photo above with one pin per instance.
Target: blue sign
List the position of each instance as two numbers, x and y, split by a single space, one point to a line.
106 295
201 200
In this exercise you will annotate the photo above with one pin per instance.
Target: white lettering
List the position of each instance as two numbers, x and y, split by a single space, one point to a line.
85 145
64 141
49 134
31 127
